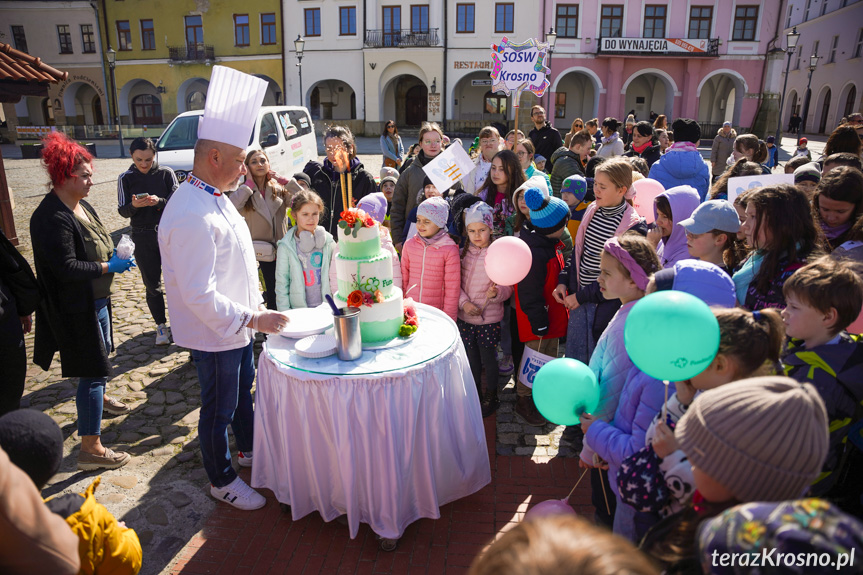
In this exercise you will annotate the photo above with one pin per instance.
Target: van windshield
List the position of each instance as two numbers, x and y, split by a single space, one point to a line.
180 135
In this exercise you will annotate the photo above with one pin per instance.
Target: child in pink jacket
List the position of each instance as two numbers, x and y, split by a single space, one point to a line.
431 271
480 305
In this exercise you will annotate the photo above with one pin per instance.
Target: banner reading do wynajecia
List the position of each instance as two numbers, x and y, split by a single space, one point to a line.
519 67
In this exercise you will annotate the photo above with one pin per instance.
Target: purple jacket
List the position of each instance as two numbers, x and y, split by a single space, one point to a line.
640 401
683 200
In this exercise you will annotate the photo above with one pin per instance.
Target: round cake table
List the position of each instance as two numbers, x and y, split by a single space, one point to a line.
386 439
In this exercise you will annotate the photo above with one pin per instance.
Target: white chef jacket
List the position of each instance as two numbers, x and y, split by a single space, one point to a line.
211 276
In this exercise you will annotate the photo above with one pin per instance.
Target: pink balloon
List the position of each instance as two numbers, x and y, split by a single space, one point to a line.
507 261
548 508
646 191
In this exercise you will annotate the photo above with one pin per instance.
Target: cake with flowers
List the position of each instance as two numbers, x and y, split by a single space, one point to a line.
364 271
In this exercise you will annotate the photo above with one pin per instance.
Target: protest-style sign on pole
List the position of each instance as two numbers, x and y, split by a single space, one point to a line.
448 167
519 67
737 186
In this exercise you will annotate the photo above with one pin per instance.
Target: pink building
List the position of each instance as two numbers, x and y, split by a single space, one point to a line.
701 59
832 30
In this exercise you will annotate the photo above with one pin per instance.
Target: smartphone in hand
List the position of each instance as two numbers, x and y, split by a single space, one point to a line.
141 196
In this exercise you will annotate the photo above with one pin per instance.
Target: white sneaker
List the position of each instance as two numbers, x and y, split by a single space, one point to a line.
239 494
244 458
162 337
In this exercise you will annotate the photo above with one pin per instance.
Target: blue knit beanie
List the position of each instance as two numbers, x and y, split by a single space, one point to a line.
547 213
575 185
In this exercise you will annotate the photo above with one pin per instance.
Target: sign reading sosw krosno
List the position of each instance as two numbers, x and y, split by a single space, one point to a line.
652 45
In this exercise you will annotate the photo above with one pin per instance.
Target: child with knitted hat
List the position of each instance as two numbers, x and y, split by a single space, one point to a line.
389 178
758 439
573 191
34 443
431 269
480 308
806 178
542 320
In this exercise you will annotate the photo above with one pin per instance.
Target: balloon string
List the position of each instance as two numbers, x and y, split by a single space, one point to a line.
604 494
665 403
576 484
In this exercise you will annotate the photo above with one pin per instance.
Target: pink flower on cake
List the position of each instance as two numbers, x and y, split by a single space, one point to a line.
368 299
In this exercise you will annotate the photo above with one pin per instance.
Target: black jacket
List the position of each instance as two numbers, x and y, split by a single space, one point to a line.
66 320
19 292
330 190
650 154
158 181
546 140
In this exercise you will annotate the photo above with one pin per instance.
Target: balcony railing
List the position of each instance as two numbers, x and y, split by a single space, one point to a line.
402 38
191 52
708 47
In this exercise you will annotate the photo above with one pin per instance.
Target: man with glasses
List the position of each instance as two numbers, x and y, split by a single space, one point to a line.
546 139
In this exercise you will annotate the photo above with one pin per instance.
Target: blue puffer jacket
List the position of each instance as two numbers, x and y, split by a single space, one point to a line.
682 167
640 401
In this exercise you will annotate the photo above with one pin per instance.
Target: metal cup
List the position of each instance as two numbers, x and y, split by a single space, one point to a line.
349 342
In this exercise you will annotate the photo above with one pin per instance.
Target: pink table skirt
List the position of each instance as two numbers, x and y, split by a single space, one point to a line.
385 450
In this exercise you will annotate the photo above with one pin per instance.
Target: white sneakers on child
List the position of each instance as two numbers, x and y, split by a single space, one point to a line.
162 335
239 494
244 458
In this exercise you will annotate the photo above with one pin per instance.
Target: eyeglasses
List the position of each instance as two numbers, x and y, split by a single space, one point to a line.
521 154
488 142
334 148
432 142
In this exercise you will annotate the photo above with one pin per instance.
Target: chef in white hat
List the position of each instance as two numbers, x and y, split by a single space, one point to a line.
211 281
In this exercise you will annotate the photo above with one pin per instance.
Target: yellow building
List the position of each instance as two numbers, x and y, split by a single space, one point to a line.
165 50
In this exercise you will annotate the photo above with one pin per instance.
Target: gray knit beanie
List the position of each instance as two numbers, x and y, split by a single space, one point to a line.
764 438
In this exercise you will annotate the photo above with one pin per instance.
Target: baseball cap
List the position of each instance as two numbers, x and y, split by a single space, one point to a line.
713 215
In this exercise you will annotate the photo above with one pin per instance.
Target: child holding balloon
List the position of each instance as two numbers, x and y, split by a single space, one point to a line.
480 308
625 267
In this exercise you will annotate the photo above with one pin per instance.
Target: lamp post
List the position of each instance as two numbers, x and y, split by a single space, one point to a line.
112 62
551 38
791 39
813 63
299 46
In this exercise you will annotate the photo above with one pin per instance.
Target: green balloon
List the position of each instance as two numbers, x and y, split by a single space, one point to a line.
564 389
671 335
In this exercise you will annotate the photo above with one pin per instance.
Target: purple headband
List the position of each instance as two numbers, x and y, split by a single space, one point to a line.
637 274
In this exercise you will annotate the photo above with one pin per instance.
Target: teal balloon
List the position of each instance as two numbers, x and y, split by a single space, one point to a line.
564 389
671 335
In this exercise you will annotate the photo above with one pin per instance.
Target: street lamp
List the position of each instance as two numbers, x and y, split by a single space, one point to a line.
112 62
813 63
791 39
299 46
551 38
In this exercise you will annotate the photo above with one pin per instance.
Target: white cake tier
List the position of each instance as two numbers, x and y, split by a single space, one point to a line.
381 321
366 244
368 275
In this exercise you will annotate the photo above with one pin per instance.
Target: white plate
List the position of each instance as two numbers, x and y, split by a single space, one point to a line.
307 321
316 346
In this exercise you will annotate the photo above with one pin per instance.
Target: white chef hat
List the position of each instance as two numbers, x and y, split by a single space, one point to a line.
233 101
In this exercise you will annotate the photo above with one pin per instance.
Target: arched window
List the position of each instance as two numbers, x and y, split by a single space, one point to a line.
195 101
146 109
849 101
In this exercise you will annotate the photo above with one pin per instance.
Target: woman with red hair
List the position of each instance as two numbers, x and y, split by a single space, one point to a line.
75 266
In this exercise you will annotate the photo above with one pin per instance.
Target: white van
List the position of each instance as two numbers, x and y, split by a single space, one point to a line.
285 132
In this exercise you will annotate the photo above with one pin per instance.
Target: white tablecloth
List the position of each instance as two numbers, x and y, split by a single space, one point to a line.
385 448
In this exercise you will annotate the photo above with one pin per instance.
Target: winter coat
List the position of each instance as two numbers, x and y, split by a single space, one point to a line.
545 140
66 319
721 150
19 290
103 545
386 244
836 371
774 298
650 154
539 314
267 218
640 400
34 539
326 181
678 167
290 283
565 164
675 467
531 171
431 272
683 202
159 181
772 157
611 147
404 197
474 284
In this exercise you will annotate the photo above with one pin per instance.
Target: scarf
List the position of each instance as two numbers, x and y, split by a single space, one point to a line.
434 239
746 275
833 233
610 139
640 149
682 147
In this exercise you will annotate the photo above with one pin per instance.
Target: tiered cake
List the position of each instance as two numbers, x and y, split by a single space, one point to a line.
365 278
